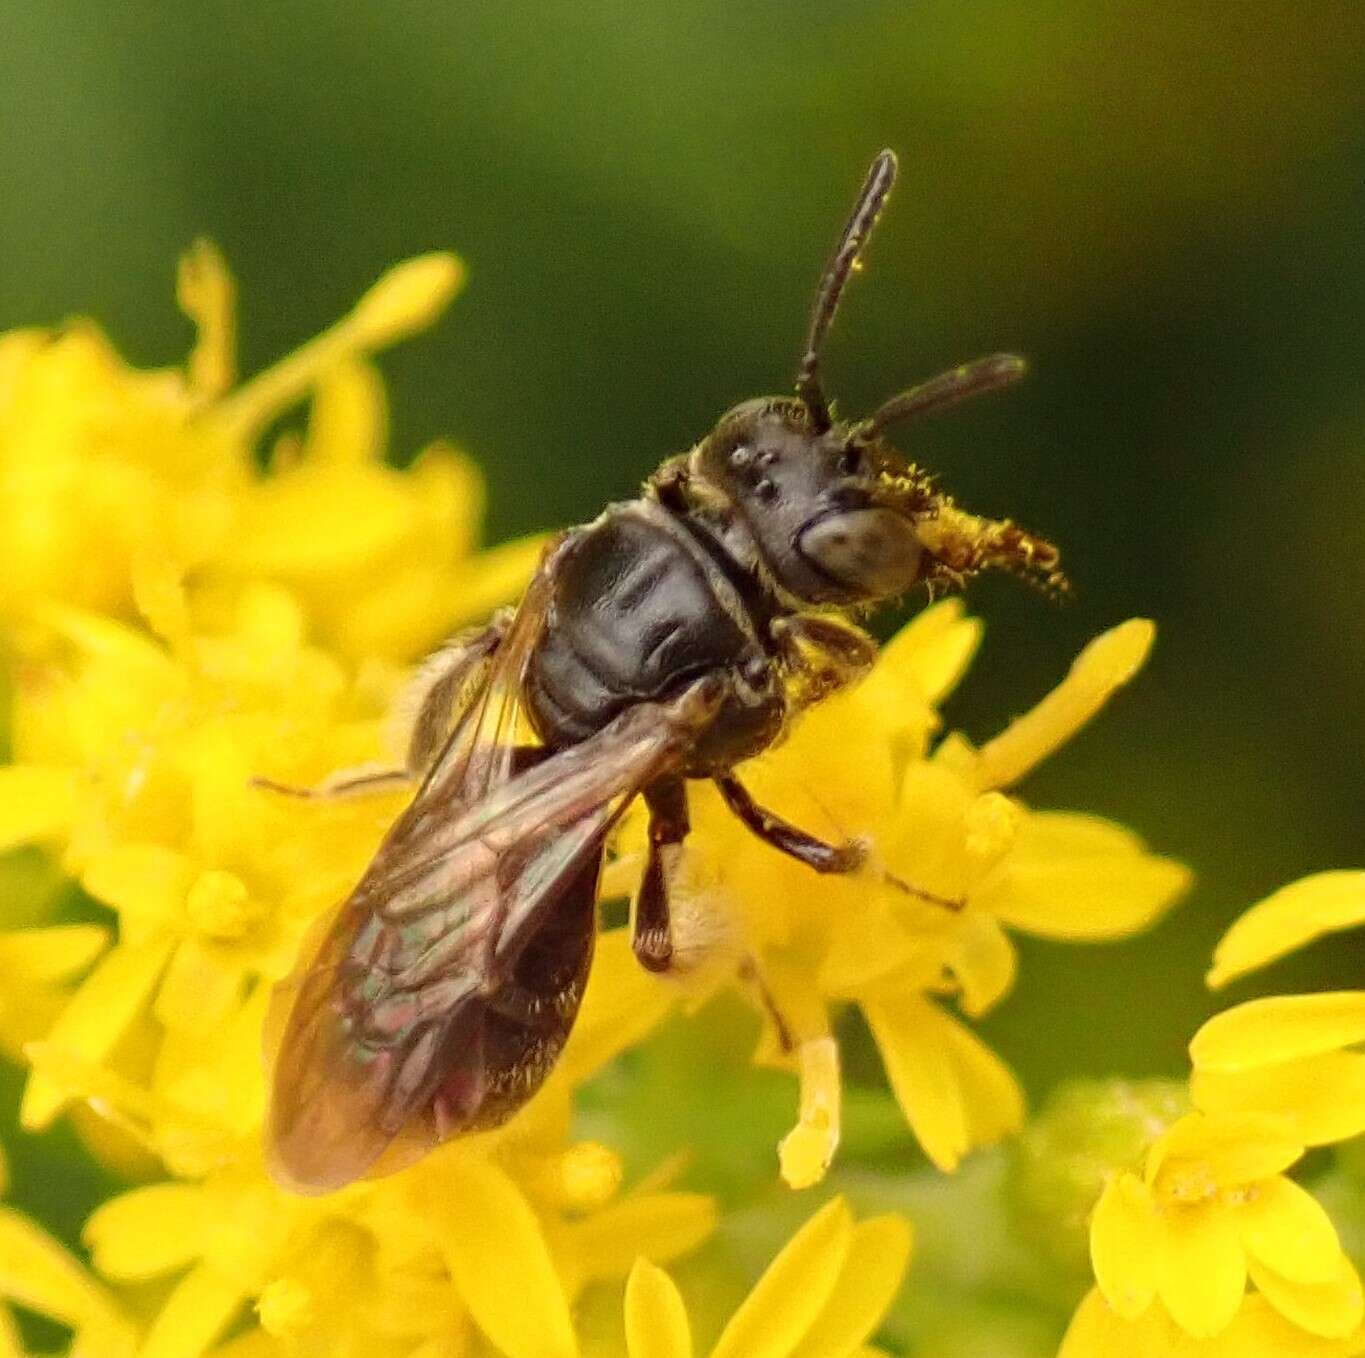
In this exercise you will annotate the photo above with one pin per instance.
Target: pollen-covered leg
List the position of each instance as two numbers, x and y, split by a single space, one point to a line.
823 654
652 931
433 699
782 835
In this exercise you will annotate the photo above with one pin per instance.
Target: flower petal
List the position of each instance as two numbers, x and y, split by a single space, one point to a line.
982 959
100 1012
206 292
149 1231
653 1226
53 954
1230 1148
1201 1269
1096 1331
1321 1098
201 986
36 803
38 1274
145 881
656 1319
200 1307
1260 1331
933 649
1288 919
500 1261
1285 1228
793 1290
348 420
954 1091
1124 1240
1081 877
908 1031
1279 1028
1331 1309
878 1255
991 1096
1103 667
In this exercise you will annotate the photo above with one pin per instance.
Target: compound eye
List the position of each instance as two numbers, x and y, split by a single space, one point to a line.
873 552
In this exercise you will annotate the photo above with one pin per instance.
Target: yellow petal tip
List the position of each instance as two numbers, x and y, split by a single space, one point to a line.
409 297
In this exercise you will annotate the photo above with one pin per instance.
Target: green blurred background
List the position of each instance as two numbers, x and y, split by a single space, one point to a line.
1161 204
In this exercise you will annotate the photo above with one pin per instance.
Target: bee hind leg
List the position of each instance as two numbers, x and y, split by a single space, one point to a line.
434 698
442 688
652 930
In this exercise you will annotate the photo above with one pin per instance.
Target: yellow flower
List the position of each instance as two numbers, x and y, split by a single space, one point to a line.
198 627
1290 1055
1257 1331
938 817
154 744
38 1274
154 749
35 967
1287 920
1210 1210
493 1235
1176 1240
101 463
822 1297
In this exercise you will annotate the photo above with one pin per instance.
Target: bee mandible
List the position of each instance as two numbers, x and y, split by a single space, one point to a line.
672 638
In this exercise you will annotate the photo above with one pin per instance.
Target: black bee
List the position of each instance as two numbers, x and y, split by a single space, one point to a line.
672 638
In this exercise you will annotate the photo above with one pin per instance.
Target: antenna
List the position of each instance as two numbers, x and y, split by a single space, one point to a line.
844 261
957 384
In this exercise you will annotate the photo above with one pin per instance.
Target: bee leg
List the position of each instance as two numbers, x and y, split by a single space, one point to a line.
652 933
807 849
782 835
427 708
358 782
441 687
752 974
824 654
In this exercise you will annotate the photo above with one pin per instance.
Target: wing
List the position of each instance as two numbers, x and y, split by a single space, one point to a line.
449 978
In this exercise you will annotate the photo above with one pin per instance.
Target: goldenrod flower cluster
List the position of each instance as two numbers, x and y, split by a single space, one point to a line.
1205 1246
187 612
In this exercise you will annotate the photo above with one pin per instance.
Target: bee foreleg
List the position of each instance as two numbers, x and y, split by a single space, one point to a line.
822 653
652 932
782 835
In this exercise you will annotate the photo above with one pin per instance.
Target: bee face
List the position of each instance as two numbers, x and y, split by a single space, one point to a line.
832 516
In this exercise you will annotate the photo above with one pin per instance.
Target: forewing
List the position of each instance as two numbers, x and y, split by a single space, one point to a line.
384 1046
325 1127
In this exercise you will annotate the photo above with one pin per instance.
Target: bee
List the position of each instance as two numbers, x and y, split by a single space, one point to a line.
672 638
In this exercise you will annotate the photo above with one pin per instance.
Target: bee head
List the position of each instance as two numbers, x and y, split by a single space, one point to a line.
836 513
